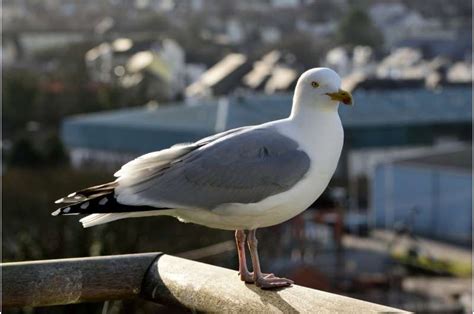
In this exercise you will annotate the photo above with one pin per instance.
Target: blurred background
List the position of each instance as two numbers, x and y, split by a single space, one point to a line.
89 85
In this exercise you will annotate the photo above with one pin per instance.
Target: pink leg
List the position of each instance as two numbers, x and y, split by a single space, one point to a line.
264 281
244 273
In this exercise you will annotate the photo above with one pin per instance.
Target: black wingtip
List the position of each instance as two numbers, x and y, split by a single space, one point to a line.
96 204
64 211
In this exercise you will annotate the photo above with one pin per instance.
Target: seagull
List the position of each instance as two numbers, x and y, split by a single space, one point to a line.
242 179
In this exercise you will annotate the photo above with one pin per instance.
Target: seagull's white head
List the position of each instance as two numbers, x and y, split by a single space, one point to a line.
321 87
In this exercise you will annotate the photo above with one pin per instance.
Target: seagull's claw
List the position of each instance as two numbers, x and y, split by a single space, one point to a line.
272 282
248 276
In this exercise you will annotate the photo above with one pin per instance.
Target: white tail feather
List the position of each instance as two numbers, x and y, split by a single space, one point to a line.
98 219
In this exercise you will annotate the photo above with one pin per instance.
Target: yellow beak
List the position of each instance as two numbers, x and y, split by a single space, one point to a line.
342 96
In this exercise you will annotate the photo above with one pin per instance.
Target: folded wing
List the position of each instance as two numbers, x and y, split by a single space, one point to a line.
244 166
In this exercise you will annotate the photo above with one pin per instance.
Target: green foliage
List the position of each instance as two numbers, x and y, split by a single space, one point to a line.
356 28
54 152
20 90
23 153
32 150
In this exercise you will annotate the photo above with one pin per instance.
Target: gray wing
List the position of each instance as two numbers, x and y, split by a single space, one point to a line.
243 168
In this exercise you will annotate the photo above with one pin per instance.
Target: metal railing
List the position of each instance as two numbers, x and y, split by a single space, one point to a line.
164 279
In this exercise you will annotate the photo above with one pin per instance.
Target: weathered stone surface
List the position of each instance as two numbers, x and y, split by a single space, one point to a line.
207 288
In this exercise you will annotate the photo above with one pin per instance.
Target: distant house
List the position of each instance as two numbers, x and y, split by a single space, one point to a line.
269 75
261 71
338 59
164 64
221 78
270 34
403 68
159 65
283 79
404 27
397 22
431 194
235 72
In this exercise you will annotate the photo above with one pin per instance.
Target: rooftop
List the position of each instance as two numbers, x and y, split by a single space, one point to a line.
458 159
217 73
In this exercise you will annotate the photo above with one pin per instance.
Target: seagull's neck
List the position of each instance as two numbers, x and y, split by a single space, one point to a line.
317 128
308 115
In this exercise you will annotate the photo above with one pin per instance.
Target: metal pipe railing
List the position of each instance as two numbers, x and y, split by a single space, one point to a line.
163 279
74 280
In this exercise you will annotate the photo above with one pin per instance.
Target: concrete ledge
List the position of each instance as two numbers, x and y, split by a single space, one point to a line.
207 288
163 279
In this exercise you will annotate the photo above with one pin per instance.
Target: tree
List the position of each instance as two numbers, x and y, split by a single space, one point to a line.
55 153
19 94
24 153
356 28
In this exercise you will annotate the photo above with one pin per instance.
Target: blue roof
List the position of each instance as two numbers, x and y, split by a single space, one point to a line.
408 107
142 129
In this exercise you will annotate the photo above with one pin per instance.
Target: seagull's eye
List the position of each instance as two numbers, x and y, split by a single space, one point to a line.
315 84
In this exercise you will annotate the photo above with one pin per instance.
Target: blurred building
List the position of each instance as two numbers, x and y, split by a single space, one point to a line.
431 194
405 27
379 119
236 72
262 70
221 78
403 67
399 123
155 65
